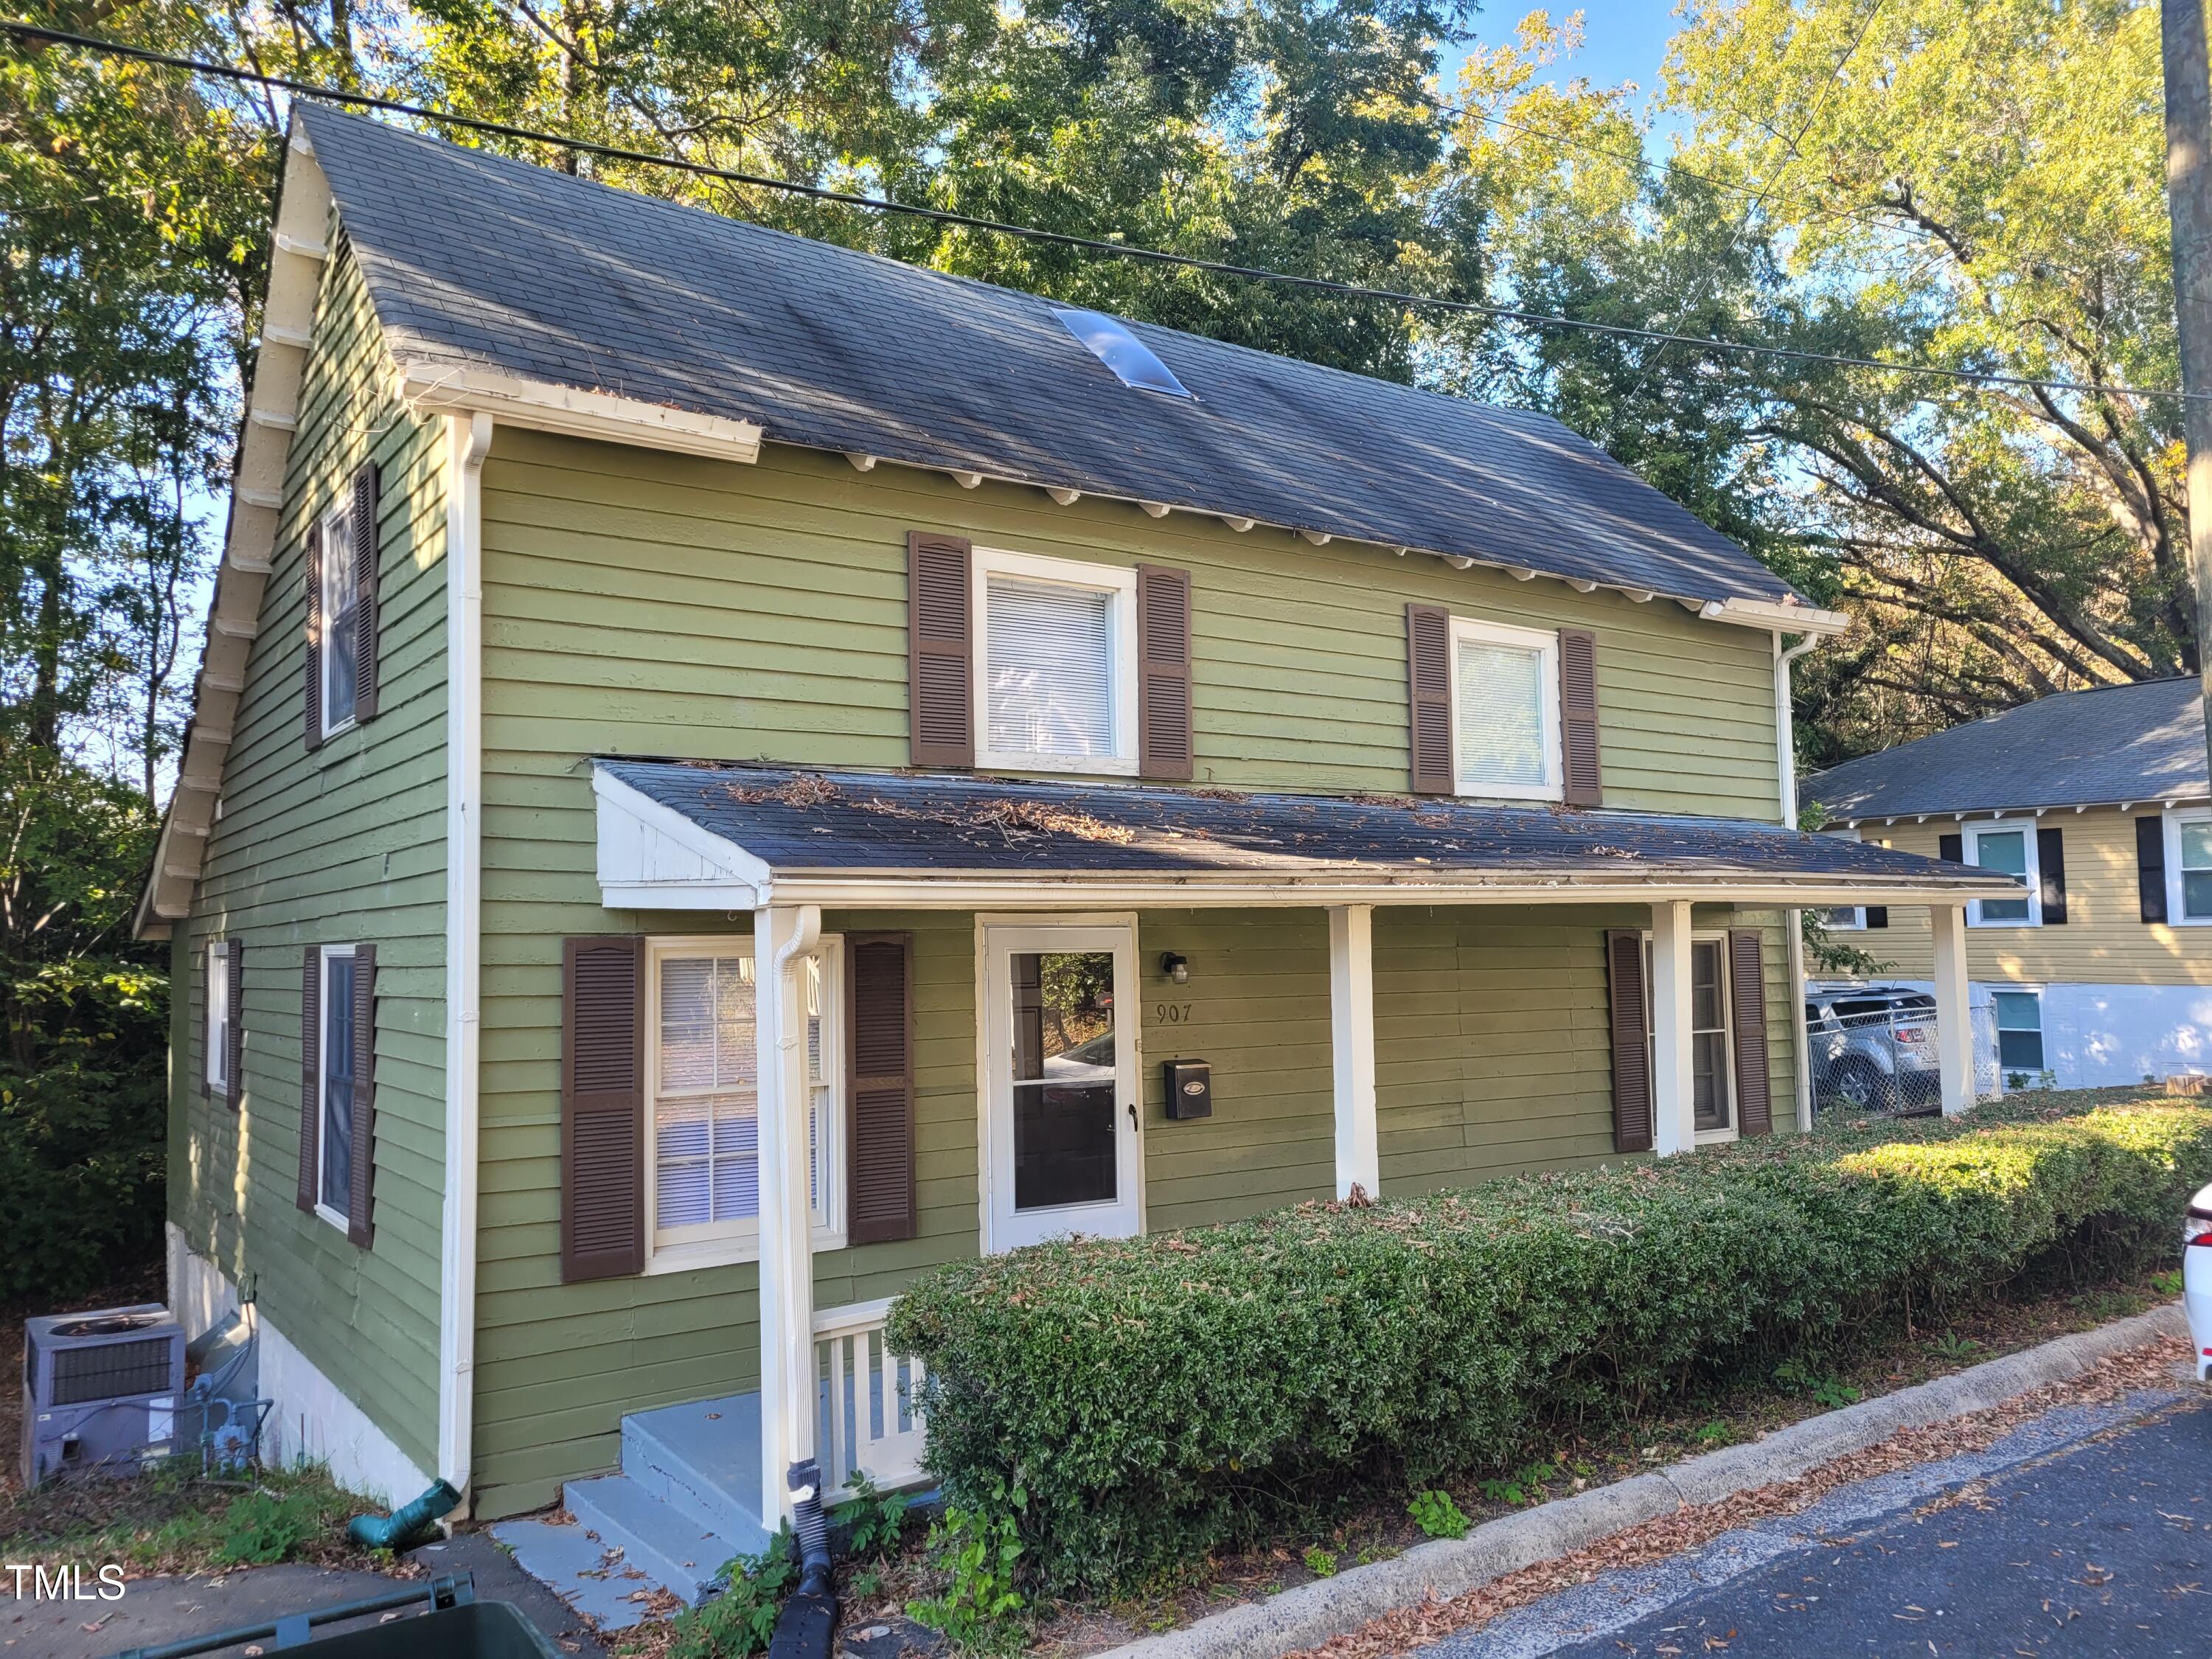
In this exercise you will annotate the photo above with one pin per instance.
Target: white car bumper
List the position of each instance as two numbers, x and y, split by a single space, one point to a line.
2197 1299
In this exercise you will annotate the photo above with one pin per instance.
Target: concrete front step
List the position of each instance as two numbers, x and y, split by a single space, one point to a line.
685 1503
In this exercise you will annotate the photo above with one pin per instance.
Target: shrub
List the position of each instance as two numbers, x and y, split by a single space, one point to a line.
1163 1396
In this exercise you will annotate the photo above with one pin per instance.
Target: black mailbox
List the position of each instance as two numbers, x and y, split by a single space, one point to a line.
1189 1088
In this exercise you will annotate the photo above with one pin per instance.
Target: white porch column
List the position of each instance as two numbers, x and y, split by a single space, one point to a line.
1954 1034
1351 1046
783 936
1674 1104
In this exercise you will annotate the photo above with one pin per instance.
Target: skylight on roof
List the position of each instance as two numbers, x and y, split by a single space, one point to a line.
1129 357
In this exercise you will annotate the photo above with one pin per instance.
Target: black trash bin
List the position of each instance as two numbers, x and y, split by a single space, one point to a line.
456 1626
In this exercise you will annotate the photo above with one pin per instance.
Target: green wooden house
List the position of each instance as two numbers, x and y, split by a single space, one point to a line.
727 771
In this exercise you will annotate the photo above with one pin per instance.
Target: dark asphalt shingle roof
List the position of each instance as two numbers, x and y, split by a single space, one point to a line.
838 822
475 259
2079 747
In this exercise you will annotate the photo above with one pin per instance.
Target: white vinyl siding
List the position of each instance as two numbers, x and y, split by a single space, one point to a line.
703 1158
1505 711
1055 664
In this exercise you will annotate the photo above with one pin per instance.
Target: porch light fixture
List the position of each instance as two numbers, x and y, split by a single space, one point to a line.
1175 967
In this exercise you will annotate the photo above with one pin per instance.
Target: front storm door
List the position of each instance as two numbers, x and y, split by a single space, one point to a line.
1063 1136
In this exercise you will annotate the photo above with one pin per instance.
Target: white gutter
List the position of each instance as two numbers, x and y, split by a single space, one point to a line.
468 437
1785 740
545 406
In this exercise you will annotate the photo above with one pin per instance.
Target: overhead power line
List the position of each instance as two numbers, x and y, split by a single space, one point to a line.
36 35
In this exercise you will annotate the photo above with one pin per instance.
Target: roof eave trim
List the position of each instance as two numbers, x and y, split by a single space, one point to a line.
264 443
571 412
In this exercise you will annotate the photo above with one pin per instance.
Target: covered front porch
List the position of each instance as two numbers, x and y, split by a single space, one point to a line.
1369 997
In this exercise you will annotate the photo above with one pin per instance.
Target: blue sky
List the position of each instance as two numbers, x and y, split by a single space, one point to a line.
1622 40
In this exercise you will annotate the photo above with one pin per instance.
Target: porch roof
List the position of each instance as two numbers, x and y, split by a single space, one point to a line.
695 834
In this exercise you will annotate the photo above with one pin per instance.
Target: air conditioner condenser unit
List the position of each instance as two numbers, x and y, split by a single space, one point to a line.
99 1391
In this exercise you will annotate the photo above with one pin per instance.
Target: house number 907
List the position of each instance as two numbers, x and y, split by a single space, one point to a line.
1172 1013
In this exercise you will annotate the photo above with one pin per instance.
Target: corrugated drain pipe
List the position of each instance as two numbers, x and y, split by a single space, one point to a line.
803 1627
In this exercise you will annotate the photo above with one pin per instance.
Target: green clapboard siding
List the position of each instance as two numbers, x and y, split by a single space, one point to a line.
646 604
343 845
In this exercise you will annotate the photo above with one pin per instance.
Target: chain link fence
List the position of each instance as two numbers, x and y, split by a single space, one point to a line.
1875 1052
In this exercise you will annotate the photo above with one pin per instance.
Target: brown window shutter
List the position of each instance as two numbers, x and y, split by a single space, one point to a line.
234 1036
2150 866
314 563
1754 1088
1164 723
602 1108
1428 684
365 552
2050 865
1632 1055
311 1069
1578 717
879 998
361 1196
939 650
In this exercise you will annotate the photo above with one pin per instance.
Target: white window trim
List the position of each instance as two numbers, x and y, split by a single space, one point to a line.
1546 641
739 1242
336 1219
216 1032
985 562
2025 828
1733 1129
2175 916
2041 1025
326 658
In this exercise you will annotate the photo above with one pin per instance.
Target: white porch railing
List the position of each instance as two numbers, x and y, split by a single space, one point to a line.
869 1423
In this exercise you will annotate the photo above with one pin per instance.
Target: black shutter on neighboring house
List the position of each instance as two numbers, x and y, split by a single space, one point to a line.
939 650
234 1036
1877 916
1163 714
313 578
1754 1088
1578 717
1632 1055
879 997
361 1196
602 1108
365 572
1951 849
2051 866
1428 686
2150 866
311 1054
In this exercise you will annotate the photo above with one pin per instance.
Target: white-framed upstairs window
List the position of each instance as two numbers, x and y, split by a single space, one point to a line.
1055 664
702 1173
340 602
2008 845
336 1008
215 1036
2189 868
1505 711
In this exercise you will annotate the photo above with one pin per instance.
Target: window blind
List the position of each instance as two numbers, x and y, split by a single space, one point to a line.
1049 668
1499 721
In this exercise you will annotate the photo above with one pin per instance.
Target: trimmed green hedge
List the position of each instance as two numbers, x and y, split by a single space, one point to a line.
1160 1397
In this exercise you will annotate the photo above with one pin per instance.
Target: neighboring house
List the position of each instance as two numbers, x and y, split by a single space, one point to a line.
726 767
2100 972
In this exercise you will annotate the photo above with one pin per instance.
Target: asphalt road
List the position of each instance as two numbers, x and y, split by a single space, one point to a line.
2089 1534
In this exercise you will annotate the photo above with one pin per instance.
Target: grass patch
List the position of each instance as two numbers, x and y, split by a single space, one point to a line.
175 1519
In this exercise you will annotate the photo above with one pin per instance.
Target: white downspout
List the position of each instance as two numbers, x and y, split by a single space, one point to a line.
468 437
1786 754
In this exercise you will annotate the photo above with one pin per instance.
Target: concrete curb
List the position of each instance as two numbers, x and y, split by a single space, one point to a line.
1311 1613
